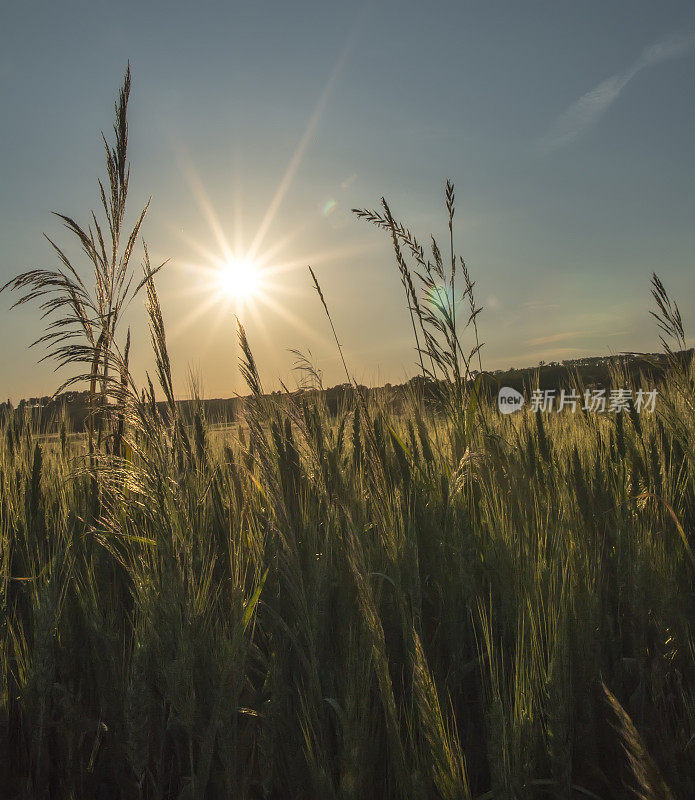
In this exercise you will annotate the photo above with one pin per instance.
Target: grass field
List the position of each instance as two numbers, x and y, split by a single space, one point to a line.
443 603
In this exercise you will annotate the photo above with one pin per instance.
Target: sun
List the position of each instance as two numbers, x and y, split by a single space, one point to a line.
239 279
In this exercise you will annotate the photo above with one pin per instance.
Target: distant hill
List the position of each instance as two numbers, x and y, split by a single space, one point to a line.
582 373
591 372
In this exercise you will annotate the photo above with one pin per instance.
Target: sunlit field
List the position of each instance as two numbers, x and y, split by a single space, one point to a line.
429 601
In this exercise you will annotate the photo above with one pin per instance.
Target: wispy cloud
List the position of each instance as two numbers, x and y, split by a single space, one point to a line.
534 305
561 337
585 113
558 337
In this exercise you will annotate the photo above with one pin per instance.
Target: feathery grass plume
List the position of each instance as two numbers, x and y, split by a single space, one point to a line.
83 315
311 377
407 281
667 316
433 313
677 407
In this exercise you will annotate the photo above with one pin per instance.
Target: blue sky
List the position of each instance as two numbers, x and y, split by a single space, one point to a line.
566 126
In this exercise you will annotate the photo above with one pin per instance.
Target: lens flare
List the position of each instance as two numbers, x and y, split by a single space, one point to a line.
328 207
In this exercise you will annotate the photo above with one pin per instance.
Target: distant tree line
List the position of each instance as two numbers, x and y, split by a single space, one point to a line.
589 373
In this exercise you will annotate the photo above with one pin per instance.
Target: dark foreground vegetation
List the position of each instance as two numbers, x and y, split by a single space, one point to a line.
354 603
